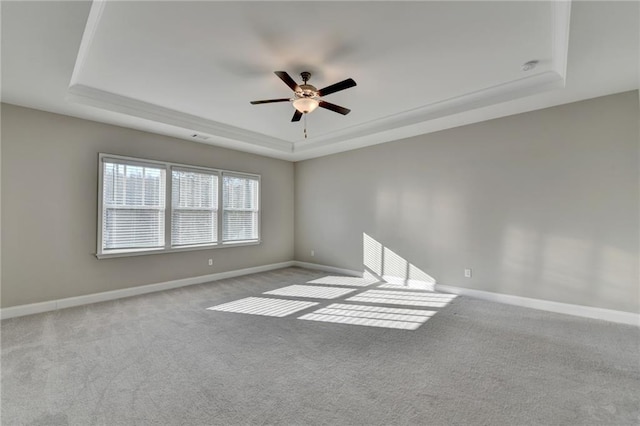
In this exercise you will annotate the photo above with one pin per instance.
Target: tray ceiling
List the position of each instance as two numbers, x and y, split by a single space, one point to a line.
185 68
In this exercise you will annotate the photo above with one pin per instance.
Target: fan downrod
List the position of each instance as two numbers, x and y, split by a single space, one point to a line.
306 75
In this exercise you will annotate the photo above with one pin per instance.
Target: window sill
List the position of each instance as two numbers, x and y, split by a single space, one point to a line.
144 252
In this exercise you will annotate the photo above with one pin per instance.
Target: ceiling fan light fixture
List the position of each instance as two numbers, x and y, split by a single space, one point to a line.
305 105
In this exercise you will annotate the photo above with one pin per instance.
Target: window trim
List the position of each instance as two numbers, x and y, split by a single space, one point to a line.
169 166
221 208
202 170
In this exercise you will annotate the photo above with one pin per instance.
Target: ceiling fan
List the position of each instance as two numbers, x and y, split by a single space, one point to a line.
307 98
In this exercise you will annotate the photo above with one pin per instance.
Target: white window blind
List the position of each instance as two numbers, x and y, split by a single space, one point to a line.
194 214
133 206
240 208
149 206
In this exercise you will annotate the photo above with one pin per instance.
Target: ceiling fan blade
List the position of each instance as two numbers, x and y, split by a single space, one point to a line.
296 116
269 101
344 84
334 108
287 80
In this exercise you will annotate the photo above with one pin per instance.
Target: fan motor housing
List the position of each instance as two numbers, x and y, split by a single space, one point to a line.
307 91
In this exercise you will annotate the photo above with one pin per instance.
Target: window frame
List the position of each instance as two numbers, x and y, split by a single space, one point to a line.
221 207
168 211
201 170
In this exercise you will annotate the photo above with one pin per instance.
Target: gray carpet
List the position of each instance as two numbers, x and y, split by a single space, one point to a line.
164 359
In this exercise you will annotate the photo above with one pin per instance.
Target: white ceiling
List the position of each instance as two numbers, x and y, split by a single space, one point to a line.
179 68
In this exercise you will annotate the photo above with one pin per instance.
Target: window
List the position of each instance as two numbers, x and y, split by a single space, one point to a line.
240 218
194 213
133 206
134 219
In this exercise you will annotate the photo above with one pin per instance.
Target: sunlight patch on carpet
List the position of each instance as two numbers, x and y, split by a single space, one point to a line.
263 306
372 316
409 298
346 281
309 291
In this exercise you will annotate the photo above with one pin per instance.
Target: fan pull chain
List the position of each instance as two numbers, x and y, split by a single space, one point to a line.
305 126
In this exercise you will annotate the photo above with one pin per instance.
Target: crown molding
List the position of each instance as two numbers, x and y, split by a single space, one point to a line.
397 126
561 17
95 14
395 123
215 131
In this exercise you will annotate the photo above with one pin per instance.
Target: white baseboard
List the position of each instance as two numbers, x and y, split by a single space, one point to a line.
326 268
544 305
52 305
619 317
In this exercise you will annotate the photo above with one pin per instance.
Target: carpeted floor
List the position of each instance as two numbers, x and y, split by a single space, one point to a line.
165 359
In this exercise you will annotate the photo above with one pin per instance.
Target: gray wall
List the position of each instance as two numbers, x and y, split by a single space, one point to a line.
49 204
542 204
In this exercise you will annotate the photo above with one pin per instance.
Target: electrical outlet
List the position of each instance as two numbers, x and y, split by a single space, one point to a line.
467 273
210 262
313 253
